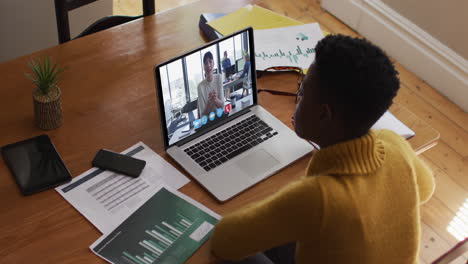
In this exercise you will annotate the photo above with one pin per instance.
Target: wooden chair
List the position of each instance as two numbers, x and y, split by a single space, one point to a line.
457 251
62 7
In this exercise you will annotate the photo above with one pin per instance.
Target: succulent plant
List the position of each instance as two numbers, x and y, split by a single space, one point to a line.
44 74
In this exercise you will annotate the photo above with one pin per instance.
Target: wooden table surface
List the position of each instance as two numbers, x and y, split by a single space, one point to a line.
109 101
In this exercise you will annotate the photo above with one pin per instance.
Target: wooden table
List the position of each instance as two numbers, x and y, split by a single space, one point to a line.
109 101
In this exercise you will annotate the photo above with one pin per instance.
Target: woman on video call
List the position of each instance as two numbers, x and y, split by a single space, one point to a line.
210 90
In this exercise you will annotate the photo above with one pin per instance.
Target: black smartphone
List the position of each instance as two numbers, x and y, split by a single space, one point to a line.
116 162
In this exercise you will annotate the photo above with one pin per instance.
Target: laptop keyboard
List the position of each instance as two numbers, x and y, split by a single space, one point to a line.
230 142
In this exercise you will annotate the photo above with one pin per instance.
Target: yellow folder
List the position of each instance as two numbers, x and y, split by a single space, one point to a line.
251 15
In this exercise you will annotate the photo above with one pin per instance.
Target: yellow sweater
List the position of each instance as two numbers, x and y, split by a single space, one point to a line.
358 203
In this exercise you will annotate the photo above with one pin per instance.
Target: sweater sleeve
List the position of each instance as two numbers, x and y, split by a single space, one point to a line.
424 179
286 216
423 175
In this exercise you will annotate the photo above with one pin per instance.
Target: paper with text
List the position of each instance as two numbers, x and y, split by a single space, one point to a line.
168 228
106 198
286 46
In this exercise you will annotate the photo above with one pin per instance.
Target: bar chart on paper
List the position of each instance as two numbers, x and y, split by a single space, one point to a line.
163 236
166 229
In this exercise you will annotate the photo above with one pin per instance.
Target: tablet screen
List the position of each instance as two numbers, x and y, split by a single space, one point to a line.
35 164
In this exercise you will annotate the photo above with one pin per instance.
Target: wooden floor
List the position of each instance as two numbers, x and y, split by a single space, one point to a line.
448 160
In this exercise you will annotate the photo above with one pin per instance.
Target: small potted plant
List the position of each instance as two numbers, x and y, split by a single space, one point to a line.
46 95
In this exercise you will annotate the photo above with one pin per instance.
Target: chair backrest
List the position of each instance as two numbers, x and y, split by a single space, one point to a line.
62 7
188 108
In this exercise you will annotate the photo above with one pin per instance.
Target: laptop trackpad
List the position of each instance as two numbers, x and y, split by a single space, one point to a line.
255 163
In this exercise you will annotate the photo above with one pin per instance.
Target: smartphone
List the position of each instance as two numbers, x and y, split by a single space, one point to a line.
116 162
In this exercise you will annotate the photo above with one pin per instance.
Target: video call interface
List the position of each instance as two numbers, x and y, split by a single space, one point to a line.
206 86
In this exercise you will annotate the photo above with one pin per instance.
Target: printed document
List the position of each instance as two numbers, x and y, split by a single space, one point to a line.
286 46
168 228
390 122
106 198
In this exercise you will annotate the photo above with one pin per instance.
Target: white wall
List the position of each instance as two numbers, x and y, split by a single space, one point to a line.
420 52
27 26
446 20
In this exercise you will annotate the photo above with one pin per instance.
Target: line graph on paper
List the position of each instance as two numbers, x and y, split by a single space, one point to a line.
293 56
287 46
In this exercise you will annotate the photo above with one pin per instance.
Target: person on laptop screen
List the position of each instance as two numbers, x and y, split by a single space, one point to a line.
226 62
210 90
360 197
246 68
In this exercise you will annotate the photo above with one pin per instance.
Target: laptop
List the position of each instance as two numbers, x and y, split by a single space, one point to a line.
226 144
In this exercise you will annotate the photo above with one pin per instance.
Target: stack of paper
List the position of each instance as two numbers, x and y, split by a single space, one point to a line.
106 198
279 40
144 220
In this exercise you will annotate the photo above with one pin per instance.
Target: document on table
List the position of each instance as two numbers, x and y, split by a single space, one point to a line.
106 198
286 46
390 122
251 16
168 228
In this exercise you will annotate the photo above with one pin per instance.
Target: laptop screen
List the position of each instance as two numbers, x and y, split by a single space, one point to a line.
200 89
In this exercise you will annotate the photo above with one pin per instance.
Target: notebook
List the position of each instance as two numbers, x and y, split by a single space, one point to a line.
251 16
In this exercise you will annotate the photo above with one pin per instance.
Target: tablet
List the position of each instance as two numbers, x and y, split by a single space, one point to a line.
35 164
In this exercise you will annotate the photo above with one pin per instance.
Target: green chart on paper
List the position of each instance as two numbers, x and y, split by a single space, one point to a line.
166 229
292 55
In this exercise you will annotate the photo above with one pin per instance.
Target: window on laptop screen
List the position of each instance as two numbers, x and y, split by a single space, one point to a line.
197 92
240 64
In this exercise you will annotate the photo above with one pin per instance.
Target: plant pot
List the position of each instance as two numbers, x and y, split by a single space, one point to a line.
48 108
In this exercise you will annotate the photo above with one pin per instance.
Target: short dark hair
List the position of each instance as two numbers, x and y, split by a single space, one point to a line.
357 77
207 56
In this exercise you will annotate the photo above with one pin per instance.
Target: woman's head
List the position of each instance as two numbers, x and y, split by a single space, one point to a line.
208 65
350 85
